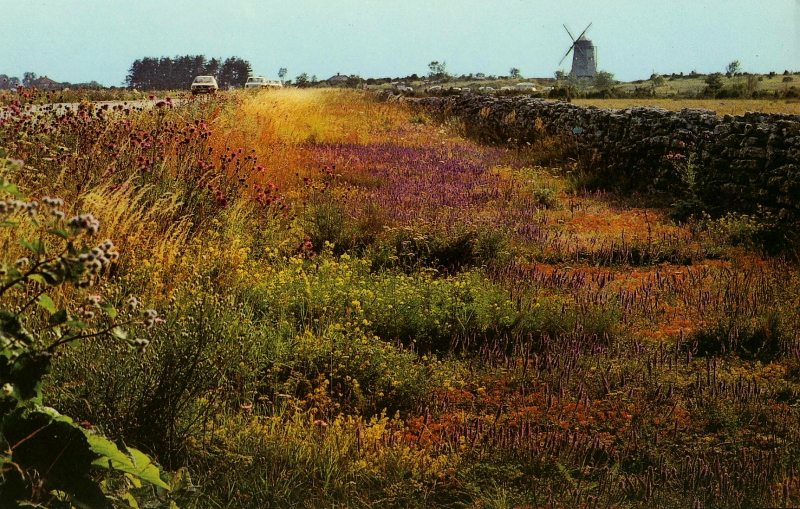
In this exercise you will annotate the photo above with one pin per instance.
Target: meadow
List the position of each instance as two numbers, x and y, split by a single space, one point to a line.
721 106
355 306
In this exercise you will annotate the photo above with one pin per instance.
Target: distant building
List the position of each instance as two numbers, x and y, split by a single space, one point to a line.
338 79
45 83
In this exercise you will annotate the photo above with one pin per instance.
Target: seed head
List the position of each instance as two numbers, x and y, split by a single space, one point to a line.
133 303
86 222
140 344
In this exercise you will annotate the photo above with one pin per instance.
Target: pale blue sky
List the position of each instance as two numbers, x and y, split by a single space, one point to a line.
83 40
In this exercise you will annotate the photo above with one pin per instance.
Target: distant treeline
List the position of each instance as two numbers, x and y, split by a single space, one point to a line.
176 73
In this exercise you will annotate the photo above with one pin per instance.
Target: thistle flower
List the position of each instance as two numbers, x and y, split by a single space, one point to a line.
53 202
87 223
140 344
150 316
133 303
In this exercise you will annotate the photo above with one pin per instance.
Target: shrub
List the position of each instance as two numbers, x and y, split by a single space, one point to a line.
47 459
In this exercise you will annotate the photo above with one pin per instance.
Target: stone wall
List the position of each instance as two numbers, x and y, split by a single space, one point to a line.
747 164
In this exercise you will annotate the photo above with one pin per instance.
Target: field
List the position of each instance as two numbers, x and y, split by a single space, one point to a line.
356 306
721 106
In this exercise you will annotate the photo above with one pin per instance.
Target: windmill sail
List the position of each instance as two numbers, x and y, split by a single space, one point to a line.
584 64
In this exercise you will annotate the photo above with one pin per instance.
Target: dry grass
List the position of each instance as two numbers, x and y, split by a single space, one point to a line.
721 106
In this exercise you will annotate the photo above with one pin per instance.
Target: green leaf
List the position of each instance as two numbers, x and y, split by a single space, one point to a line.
37 277
109 309
130 460
120 333
36 247
58 231
9 224
11 189
52 278
77 324
59 317
47 303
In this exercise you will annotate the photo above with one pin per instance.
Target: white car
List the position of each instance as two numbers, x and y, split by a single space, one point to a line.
204 85
262 82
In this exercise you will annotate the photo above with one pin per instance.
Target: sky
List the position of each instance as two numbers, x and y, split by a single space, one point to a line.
86 40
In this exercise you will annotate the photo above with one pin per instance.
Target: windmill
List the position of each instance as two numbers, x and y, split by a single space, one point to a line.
583 51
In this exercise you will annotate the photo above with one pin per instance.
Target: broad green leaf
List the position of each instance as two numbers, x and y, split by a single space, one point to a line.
76 323
59 317
37 277
131 461
58 231
52 278
130 500
109 309
47 303
36 247
11 189
137 483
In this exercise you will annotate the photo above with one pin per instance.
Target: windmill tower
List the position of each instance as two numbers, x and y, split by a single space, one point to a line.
584 64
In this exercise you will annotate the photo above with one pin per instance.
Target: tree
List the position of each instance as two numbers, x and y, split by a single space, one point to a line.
604 80
28 78
438 70
212 67
302 80
560 75
235 71
733 68
713 83
282 73
514 73
657 80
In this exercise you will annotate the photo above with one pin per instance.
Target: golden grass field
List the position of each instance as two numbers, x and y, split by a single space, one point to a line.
721 106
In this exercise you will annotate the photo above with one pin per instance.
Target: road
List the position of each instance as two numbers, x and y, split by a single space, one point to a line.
64 107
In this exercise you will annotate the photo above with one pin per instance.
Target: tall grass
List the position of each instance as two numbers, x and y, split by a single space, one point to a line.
363 309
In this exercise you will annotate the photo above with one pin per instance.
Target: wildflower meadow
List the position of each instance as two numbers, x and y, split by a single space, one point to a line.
315 298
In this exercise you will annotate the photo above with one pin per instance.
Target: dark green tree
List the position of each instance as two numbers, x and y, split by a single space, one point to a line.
28 78
713 83
604 80
302 80
234 71
733 68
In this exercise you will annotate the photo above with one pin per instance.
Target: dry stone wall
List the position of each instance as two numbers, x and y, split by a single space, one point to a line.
747 164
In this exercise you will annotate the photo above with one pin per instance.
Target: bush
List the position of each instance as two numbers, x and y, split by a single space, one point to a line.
47 459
